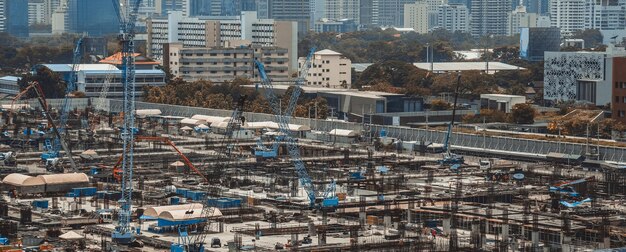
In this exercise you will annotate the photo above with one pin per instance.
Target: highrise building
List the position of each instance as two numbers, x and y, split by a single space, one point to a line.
291 10
218 7
416 16
489 17
59 18
453 17
569 15
366 12
37 12
343 9
163 6
14 17
604 15
389 12
519 18
199 32
96 18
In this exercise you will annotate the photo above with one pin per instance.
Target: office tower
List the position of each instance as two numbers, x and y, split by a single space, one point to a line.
342 9
14 17
291 10
366 14
96 18
489 17
569 15
604 15
389 12
453 17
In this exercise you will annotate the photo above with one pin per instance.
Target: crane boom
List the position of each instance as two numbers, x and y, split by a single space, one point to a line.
123 233
292 146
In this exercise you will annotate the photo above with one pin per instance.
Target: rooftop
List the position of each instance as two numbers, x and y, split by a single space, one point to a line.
10 78
327 52
116 59
79 67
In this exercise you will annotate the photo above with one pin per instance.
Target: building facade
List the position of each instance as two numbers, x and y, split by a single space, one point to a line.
581 76
618 106
569 15
416 16
219 64
196 32
490 17
535 41
291 10
338 26
14 17
329 69
453 17
37 12
342 9
389 13
520 18
96 18
606 17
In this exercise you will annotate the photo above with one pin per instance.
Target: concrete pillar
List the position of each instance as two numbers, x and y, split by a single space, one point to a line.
535 239
566 242
409 216
362 218
446 225
387 220
294 240
312 231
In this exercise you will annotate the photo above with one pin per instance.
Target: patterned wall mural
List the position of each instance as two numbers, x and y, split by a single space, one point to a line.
562 70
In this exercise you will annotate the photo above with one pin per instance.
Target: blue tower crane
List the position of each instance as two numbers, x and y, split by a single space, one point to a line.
292 146
271 152
449 158
54 148
127 15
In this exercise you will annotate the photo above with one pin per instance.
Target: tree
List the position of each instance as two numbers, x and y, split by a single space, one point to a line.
523 113
395 73
439 105
50 82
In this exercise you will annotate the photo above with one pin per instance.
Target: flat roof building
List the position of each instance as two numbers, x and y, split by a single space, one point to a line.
328 69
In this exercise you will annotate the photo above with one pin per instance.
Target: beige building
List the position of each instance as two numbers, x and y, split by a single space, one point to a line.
329 69
519 18
219 64
196 32
422 15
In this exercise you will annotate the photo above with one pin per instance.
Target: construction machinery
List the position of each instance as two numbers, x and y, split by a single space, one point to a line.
127 14
292 145
51 157
575 203
566 188
195 242
263 152
117 171
449 158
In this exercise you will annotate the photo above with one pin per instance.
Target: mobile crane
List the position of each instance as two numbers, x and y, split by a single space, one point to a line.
449 158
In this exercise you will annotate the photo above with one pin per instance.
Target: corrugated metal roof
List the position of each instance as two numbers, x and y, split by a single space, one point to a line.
156 211
211 119
10 78
65 178
185 214
80 67
17 179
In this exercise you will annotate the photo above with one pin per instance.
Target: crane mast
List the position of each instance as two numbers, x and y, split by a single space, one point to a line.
283 124
128 17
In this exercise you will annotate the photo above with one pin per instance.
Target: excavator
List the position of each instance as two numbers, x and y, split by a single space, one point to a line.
117 170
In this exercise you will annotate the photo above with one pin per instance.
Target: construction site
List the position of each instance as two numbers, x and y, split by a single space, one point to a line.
100 174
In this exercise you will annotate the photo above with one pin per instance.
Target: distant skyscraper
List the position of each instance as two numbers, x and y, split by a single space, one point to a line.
389 12
467 3
453 17
219 7
569 15
96 18
490 17
291 10
342 9
14 17
366 9
537 6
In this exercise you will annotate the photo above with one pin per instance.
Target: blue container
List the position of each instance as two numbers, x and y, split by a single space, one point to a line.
40 204
174 200
85 191
71 195
94 170
182 192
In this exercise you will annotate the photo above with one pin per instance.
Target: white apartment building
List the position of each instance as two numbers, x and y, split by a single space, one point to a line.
37 12
342 9
453 18
329 69
416 16
569 15
519 18
197 32
422 15
606 17
489 17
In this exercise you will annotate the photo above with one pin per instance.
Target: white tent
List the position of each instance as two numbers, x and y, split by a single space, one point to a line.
202 126
190 121
71 235
147 112
211 119
186 128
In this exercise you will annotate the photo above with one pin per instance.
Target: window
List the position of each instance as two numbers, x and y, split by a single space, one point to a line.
616 99
226 54
199 54
617 84
213 54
